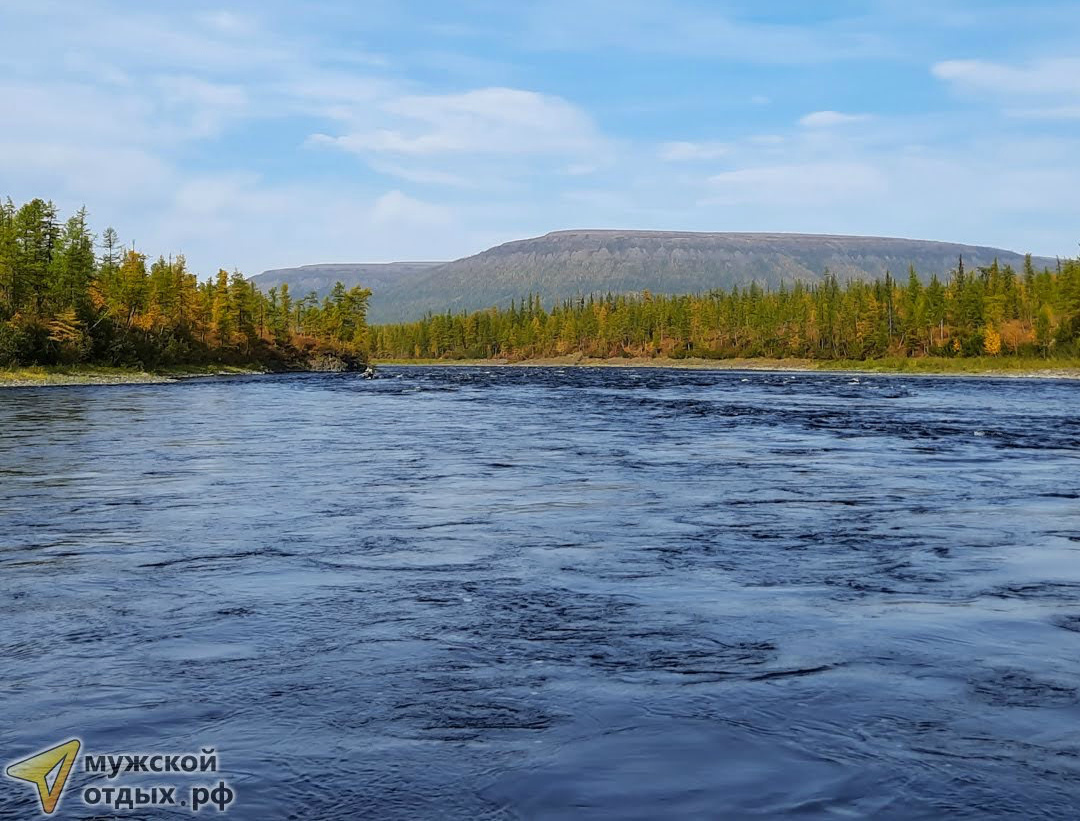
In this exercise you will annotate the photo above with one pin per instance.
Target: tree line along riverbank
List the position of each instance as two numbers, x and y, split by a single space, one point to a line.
993 313
74 302
69 298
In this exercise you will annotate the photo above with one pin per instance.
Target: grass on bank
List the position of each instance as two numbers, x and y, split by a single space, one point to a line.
101 374
959 365
1009 365
986 365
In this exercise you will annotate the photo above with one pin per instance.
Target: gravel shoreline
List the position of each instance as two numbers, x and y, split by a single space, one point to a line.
779 365
31 379
28 378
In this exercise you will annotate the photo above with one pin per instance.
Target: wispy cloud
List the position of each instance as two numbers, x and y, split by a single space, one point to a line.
811 183
1046 89
1057 112
1047 77
682 151
422 175
829 119
484 121
685 28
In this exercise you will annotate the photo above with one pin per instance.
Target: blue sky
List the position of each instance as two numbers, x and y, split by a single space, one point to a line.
264 134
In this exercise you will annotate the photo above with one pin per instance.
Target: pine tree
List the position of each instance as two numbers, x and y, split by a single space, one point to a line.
8 258
35 236
73 266
221 316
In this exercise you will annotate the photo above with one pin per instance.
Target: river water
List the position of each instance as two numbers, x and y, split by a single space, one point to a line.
542 593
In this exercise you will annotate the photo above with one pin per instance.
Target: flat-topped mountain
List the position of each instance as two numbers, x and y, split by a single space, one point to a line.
566 264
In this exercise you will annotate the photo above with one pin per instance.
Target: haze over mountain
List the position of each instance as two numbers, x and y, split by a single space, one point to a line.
566 264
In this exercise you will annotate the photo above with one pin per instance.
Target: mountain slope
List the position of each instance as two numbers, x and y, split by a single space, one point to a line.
565 264
378 276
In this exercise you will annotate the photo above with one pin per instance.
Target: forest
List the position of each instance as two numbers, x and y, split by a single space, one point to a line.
68 298
992 311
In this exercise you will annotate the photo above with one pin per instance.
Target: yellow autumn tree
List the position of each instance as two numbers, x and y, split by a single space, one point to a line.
67 331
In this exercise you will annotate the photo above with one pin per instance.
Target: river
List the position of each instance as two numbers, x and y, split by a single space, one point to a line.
495 593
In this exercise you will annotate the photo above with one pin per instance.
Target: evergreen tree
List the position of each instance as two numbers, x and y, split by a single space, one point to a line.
35 235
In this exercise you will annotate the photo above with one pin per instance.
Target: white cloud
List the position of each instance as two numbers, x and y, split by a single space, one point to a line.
203 107
681 151
243 218
1043 77
1047 89
580 169
806 183
219 197
498 121
828 119
53 110
93 174
397 208
1059 112
421 175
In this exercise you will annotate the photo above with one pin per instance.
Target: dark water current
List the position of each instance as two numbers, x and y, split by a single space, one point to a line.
539 593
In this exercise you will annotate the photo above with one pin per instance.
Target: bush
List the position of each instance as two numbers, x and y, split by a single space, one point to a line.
9 345
25 342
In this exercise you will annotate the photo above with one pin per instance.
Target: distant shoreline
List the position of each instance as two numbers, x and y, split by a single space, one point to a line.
925 366
39 376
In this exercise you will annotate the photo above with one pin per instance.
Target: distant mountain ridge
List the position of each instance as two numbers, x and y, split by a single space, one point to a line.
566 264
321 277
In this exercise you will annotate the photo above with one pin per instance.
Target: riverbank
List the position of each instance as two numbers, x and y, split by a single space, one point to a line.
40 375
1025 368
1019 367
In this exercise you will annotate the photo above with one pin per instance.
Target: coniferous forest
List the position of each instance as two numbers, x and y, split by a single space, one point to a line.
68 297
992 311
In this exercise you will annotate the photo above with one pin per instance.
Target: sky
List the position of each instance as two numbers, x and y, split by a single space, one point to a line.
255 135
